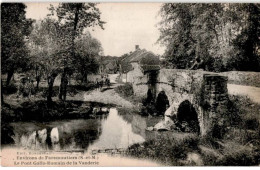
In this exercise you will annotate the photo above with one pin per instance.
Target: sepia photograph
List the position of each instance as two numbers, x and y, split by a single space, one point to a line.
142 84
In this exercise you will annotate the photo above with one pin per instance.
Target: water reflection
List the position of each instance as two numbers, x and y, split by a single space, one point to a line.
61 135
116 133
103 132
140 123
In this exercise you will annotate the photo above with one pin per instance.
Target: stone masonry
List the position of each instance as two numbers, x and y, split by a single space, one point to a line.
206 91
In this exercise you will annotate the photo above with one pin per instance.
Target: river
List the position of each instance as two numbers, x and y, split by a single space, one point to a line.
111 131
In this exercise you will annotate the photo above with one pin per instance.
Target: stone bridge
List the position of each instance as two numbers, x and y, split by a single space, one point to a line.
204 92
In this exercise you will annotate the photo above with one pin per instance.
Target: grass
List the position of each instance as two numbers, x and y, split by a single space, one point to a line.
240 146
126 91
166 151
71 89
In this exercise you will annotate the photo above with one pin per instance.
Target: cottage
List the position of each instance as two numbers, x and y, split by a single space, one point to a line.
139 63
140 66
108 64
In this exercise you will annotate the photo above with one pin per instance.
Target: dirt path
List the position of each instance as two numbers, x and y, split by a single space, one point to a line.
250 91
108 96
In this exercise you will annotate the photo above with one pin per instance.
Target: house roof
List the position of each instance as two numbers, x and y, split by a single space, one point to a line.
111 65
150 67
148 60
133 55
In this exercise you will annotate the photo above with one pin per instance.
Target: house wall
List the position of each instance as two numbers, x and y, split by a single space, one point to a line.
138 79
135 73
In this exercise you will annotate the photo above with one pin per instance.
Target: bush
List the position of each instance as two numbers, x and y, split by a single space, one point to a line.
218 65
71 89
44 91
167 151
235 154
125 90
246 111
10 89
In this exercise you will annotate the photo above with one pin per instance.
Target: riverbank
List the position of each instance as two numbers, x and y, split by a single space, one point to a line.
239 147
109 96
42 111
195 151
81 99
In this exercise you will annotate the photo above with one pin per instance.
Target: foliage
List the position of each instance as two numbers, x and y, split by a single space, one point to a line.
79 15
166 151
125 90
11 89
176 34
214 37
247 112
47 43
14 30
247 42
87 51
75 17
59 45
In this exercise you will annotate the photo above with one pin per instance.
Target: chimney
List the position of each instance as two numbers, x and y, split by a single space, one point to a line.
137 47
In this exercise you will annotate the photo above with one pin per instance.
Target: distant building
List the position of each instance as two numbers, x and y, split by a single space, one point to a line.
108 65
139 63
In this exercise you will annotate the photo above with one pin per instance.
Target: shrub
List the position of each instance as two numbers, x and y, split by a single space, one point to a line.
167 151
247 111
10 89
235 154
125 90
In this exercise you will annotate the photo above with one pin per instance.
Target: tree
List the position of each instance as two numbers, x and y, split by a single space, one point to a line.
48 44
214 37
248 40
37 45
75 17
176 34
14 30
87 50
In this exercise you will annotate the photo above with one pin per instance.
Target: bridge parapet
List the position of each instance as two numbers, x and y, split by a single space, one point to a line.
205 91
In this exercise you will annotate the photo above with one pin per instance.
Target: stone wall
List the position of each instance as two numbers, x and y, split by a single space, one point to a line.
206 91
138 79
135 73
140 85
213 99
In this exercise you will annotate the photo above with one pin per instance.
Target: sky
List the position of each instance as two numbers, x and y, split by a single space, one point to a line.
127 25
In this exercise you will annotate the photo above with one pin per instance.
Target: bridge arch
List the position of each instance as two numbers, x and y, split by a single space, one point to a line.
162 102
200 88
186 112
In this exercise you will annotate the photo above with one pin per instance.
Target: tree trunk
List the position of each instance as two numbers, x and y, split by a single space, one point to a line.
51 79
84 77
37 84
2 96
63 87
10 73
38 77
